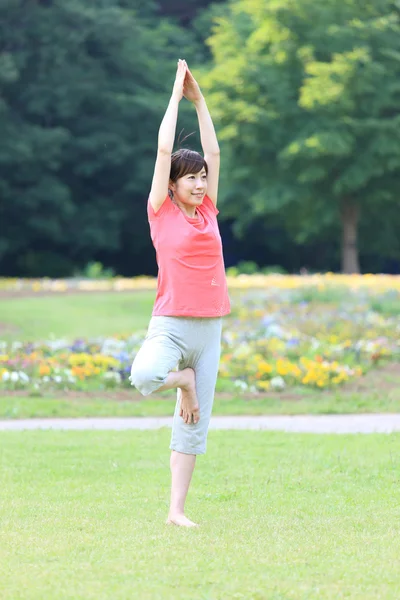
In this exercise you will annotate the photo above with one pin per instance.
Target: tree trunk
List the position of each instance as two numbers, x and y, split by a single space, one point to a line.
350 214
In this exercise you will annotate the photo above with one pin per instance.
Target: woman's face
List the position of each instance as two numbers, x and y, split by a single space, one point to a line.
191 188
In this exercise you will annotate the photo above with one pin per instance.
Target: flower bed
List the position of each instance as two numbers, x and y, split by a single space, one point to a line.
319 336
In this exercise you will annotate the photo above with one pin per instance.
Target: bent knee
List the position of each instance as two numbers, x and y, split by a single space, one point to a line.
145 379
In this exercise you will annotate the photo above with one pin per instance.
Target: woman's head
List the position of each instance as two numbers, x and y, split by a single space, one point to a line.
188 177
185 161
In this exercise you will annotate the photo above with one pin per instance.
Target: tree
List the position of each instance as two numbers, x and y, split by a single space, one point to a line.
83 87
307 96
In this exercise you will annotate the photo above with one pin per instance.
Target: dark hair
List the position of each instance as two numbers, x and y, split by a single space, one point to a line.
185 161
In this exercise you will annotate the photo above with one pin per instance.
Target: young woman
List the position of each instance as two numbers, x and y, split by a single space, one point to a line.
192 296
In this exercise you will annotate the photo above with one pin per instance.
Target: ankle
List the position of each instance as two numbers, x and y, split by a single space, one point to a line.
187 376
177 512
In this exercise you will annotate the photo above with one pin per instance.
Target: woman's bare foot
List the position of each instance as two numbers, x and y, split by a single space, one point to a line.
181 521
189 404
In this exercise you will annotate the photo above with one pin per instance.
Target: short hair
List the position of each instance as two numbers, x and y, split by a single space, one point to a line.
185 161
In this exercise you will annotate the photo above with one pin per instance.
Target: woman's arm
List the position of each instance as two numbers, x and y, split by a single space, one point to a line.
208 137
166 136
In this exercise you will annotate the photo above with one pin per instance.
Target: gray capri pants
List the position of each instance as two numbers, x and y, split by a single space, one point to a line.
184 342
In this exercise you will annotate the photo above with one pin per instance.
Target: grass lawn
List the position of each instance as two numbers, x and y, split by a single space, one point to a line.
283 516
74 315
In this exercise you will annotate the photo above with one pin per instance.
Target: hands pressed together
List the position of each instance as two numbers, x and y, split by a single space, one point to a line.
185 84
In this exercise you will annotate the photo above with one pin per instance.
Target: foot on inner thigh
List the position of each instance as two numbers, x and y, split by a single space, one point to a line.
180 520
189 403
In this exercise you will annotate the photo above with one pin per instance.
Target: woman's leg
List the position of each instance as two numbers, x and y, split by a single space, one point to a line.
151 371
188 439
160 353
182 466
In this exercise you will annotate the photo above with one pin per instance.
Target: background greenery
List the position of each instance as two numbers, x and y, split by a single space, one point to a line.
305 96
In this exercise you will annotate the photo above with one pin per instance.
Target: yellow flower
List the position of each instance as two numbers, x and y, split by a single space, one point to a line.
264 368
263 385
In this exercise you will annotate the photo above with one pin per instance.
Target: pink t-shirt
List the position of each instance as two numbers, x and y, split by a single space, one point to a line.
191 272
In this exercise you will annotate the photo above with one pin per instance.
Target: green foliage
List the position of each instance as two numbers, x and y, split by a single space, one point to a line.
249 267
306 96
327 295
81 102
387 304
95 270
271 270
246 267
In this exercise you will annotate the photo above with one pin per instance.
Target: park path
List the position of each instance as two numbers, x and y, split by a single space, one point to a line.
361 423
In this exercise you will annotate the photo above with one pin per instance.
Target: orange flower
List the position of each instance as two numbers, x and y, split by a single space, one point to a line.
78 372
44 370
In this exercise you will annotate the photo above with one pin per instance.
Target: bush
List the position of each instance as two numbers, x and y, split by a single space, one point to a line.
95 270
249 267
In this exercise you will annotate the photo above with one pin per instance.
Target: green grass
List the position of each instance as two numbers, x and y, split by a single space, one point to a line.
19 407
74 315
283 516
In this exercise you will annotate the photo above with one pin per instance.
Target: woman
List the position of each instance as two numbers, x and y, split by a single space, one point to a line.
192 297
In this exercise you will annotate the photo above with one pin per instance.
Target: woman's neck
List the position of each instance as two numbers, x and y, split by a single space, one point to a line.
189 211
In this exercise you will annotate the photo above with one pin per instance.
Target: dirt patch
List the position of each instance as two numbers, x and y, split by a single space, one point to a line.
386 377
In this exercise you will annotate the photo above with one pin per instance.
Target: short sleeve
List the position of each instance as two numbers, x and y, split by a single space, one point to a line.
209 204
152 215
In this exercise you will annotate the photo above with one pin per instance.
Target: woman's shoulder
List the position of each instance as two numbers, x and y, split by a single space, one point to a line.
165 208
209 205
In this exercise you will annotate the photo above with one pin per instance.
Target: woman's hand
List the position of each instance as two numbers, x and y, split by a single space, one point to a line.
191 89
179 80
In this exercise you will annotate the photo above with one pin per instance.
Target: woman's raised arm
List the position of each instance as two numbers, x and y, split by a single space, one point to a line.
208 137
166 136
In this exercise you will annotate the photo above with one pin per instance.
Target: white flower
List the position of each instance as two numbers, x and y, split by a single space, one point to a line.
14 376
57 344
23 377
57 379
111 346
5 376
112 376
240 384
277 383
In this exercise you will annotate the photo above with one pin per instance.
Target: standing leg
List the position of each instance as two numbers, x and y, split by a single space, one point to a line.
189 439
182 466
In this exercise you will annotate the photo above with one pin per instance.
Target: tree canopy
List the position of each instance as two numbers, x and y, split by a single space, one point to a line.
81 102
307 96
